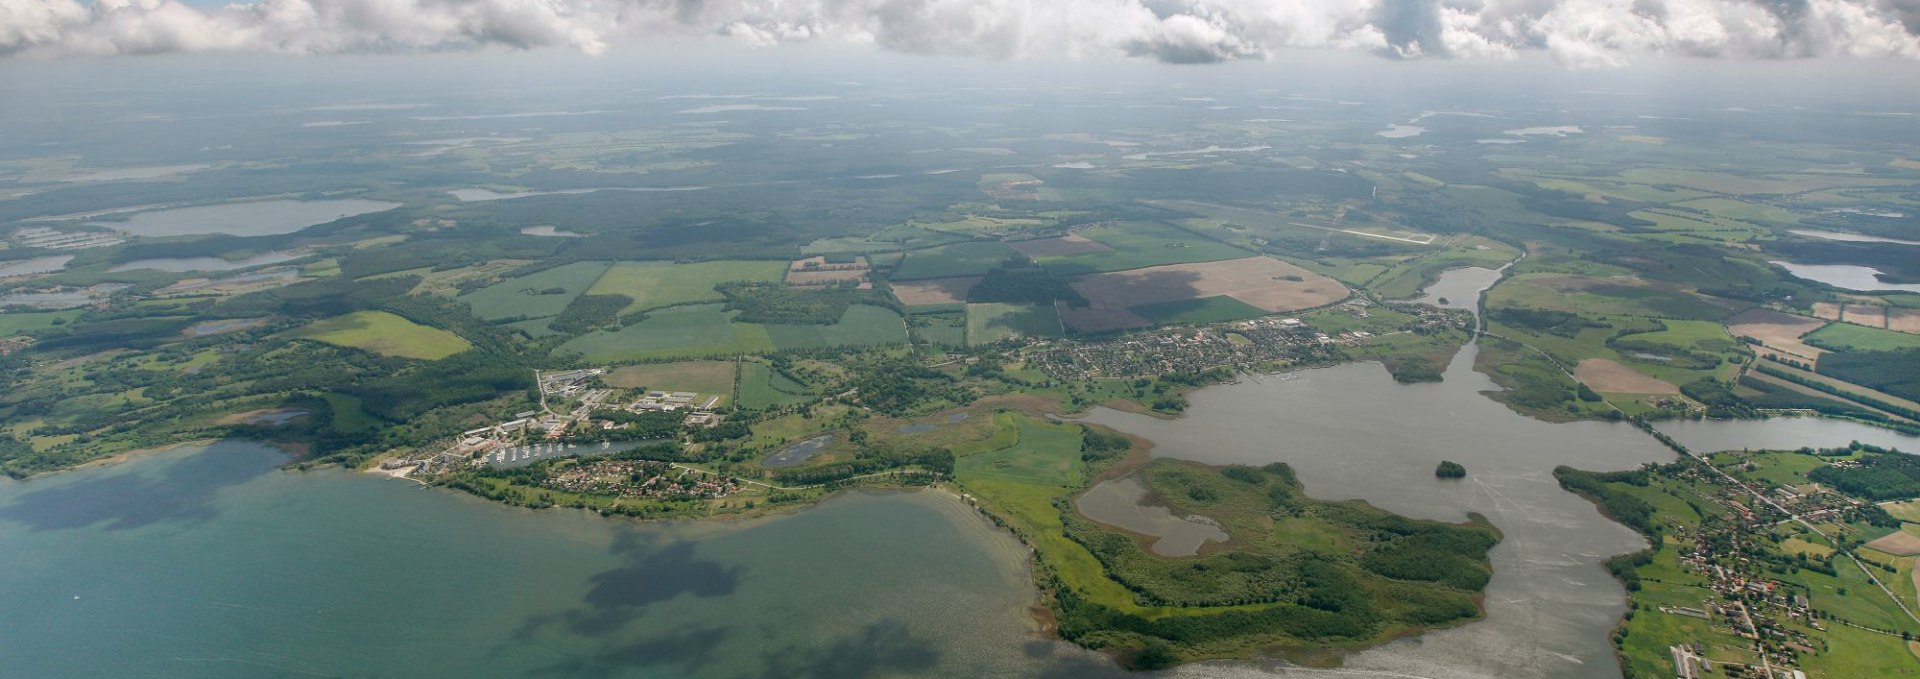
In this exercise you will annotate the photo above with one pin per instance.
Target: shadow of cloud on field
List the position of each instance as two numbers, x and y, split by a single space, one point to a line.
183 490
650 575
1109 296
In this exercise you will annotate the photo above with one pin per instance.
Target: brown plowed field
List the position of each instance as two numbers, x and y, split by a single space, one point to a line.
934 290
1610 377
1777 330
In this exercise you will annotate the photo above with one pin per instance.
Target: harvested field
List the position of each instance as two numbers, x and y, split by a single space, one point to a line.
934 290
1070 244
1261 282
1827 310
1904 320
1610 377
708 378
1865 314
817 270
1780 331
1897 543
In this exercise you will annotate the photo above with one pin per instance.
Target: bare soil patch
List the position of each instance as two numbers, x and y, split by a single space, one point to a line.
1865 314
817 270
1263 282
1608 376
1070 244
1827 310
1897 543
1904 320
935 290
1780 331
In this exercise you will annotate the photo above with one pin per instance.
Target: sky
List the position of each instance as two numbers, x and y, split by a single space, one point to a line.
1578 34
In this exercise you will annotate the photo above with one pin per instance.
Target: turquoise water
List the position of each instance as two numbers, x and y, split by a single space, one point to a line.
215 563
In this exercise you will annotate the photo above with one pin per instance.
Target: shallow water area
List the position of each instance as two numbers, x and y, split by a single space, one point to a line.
1118 502
213 562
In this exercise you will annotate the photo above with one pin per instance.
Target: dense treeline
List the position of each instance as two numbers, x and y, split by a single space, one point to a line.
1100 444
772 303
1864 399
1630 511
1876 476
1895 372
872 458
588 313
892 386
1562 323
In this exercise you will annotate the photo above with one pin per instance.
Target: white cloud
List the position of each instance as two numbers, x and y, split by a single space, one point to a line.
1581 33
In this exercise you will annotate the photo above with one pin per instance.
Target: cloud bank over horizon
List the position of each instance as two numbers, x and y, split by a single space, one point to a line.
1576 33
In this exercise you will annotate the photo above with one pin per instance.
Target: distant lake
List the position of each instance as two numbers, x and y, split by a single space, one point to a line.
1397 131
550 232
1781 433
22 267
1849 237
211 562
1845 276
482 195
182 264
257 218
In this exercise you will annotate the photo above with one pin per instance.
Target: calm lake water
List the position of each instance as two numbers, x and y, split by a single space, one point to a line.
1849 237
257 218
22 267
1846 276
213 563
1352 432
1781 433
1460 288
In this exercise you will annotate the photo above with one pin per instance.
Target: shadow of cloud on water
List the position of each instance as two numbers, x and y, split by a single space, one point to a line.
650 575
135 496
883 648
689 650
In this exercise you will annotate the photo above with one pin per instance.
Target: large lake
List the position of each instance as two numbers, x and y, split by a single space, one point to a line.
214 563
1846 276
257 218
1350 431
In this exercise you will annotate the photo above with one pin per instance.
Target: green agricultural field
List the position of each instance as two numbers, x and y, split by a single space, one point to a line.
972 258
709 330
348 416
18 323
536 295
1587 295
947 327
1850 337
993 322
385 334
656 284
1740 210
1138 244
687 331
707 378
1045 454
861 325
1203 310
763 387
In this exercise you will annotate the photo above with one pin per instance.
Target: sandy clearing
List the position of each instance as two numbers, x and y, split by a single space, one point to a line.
934 290
1610 377
1897 543
1070 244
1780 331
1263 282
